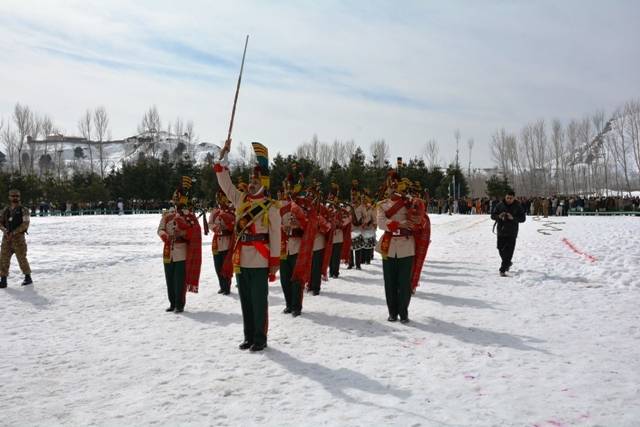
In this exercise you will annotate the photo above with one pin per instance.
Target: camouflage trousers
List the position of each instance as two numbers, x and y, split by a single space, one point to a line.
18 245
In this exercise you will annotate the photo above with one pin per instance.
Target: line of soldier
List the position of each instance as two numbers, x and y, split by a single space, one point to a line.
303 235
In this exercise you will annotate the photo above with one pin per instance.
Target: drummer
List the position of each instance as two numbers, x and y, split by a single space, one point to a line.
368 229
358 213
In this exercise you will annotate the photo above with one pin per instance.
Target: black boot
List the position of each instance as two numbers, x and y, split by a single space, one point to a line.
245 345
3 282
27 280
257 347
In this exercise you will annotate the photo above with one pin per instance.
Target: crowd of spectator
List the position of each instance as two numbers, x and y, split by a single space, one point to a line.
538 206
119 206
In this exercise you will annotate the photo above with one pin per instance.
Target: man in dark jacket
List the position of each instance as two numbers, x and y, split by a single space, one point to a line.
507 214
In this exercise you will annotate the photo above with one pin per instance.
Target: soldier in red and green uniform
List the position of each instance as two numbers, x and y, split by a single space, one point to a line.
180 231
292 233
397 247
342 235
322 235
221 221
256 247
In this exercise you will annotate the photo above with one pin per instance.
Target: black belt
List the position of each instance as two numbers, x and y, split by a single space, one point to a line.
402 232
296 232
261 237
223 234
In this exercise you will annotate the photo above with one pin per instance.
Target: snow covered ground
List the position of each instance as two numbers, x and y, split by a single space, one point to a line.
555 344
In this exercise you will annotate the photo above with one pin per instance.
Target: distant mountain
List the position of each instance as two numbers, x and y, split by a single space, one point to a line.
152 144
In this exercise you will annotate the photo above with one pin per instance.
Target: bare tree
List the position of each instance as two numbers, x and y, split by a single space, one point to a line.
314 145
47 130
150 124
504 150
335 151
246 156
632 110
528 147
585 136
150 121
379 152
101 125
36 131
499 151
619 145
456 135
85 127
470 143
431 153
325 156
10 140
557 140
347 149
599 165
45 160
23 119
572 148
190 138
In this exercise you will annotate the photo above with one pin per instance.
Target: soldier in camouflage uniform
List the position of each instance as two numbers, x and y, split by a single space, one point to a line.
14 223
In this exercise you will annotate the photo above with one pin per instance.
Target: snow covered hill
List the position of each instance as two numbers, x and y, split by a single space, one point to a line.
555 344
72 150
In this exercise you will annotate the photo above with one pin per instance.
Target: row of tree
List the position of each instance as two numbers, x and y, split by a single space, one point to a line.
589 156
148 179
541 159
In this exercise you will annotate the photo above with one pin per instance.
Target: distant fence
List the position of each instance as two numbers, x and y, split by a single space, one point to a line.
80 212
604 213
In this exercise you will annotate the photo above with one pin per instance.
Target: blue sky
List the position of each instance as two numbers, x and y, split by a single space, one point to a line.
355 70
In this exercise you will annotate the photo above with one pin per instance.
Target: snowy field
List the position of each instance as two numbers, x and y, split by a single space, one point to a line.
556 344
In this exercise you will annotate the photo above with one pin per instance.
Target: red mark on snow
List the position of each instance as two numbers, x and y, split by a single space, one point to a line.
470 377
578 251
555 423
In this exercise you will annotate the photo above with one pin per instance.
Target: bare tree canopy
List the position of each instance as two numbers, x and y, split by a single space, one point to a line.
101 126
431 154
23 119
85 127
379 152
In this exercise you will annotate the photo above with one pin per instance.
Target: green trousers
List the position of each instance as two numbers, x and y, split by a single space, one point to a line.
174 276
397 285
292 291
253 288
218 262
316 270
334 265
